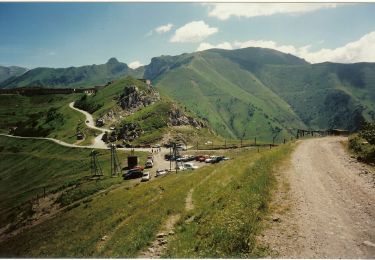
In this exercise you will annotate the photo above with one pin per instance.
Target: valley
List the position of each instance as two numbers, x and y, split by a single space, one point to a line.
221 126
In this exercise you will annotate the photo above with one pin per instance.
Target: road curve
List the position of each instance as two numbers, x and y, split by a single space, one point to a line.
98 143
332 201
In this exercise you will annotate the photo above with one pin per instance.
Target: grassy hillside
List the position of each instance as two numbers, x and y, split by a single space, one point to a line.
130 218
235 103
106 99
77 77
265 93
43 115
152 120
12 71
321 96
27 166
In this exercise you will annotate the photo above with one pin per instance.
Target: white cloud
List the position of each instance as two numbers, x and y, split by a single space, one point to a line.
164 28
135 64
205 46
266 44
193 32
224 11
362 50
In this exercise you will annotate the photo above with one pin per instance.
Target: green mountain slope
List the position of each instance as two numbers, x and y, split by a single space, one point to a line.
137 111
12 71
232 99
325 95
78 77
263 93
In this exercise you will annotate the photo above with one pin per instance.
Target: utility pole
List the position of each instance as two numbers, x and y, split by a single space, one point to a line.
170 156
115 163
96 169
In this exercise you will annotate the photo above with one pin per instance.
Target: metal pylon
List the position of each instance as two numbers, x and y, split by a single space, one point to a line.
115 163
96 169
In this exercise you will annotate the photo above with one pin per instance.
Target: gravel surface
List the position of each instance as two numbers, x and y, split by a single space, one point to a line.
325 205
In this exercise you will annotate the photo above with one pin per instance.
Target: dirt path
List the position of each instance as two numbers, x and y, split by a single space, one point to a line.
325 206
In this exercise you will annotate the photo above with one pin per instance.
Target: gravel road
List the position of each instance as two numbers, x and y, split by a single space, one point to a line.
330 205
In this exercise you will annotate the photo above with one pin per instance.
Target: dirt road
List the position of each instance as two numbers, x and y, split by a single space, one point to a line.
329 199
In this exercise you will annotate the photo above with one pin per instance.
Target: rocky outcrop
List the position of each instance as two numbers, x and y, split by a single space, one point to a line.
133 98
129 132
178 118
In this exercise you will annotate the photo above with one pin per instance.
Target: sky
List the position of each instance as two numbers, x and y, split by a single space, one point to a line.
75 34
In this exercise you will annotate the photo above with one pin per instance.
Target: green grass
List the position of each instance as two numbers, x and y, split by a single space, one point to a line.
363 150
214 87
29 113
73 77
106 99
229 207
28 166
132 216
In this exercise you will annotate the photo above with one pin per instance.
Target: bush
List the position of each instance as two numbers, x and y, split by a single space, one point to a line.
368 132
364 150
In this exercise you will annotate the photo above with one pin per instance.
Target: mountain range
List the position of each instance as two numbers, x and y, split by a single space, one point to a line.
9 72
73 77
243 93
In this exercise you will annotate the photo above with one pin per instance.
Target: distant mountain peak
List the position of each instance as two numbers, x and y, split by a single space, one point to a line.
112 61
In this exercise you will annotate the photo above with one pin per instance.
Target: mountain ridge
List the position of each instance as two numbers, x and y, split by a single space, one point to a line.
255 92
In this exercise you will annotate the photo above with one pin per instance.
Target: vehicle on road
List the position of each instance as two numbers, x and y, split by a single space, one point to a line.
190 166
217 159
202 158
145 177
160 172
138 167
210 159
149 164
180 168
132 174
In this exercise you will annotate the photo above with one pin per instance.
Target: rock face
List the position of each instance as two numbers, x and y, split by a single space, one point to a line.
178 117
134 99
129 132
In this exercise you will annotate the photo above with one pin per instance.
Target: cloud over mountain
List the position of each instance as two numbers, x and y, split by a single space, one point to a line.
193 32
223 11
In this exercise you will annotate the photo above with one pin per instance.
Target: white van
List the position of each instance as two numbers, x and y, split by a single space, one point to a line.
190 166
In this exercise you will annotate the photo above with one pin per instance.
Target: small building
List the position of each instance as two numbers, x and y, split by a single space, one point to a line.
338 132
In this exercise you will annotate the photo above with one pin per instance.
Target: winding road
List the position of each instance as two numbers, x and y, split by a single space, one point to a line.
98 143
331 198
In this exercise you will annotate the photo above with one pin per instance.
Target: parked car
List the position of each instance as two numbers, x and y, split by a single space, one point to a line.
209 159
145 176
149 164
120 146
180 168
190 166
138 167
202 158
132 174
112 128
160 172
217 159
150 157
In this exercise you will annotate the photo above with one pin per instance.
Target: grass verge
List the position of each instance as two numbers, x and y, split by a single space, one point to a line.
229 207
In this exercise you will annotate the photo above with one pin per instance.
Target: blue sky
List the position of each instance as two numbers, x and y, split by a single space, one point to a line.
74 34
